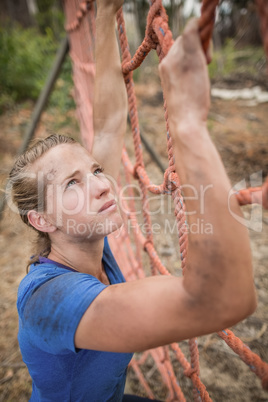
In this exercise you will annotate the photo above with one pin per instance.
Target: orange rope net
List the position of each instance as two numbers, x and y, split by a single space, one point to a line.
81 39
158 37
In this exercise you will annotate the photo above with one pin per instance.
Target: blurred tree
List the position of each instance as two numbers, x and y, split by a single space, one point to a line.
46 14
141 7
238 19
17 10
174 10
248 25
50 15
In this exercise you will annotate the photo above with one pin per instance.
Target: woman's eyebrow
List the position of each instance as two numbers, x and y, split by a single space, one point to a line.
93 165
71 175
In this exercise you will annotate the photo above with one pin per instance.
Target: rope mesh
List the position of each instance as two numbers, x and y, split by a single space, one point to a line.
159 37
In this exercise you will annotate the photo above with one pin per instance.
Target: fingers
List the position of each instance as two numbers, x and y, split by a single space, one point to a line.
192 42
188 42
185 55
191 37
209 52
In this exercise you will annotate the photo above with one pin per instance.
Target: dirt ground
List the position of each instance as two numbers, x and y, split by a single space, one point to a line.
239 131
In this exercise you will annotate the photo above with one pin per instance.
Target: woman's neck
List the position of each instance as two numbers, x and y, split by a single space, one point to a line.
82 258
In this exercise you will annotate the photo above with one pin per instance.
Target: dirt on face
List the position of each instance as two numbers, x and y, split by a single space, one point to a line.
239 131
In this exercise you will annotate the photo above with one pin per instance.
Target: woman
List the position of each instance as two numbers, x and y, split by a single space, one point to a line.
79 321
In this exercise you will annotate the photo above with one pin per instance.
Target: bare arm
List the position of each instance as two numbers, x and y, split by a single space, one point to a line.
217 290
226 259
110 101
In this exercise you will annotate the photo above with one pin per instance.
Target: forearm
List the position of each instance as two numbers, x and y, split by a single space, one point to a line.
219 258
110 101
219 270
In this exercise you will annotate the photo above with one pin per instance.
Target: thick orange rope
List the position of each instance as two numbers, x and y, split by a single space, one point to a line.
251 359
254 195
81 40
159 37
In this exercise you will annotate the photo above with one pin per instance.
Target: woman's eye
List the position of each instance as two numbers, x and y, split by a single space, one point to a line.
70 183
98 170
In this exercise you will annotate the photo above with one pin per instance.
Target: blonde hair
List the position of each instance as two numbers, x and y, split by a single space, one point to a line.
25 189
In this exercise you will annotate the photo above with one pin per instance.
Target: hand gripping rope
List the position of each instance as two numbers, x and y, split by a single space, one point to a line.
158 37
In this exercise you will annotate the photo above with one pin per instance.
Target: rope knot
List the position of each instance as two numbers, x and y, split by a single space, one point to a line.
146 244
135 168
155 11
189 372
171 180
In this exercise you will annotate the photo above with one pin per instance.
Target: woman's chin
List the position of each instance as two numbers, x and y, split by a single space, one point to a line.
116 224
111 225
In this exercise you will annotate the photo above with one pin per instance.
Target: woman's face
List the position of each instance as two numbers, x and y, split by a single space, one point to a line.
79 197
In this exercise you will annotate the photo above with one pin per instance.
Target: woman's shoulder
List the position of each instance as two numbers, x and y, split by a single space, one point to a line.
38 275
47 274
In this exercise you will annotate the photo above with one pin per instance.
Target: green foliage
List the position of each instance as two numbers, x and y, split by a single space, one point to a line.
230 60
6 101
25 60
61 97
50 14
223 62
51 18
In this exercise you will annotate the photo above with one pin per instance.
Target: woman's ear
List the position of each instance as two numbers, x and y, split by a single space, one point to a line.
39 222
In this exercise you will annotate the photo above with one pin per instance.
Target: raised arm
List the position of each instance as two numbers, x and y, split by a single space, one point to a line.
217 290
219 262
110 101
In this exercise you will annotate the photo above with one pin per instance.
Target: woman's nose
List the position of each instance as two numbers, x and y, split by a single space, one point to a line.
100 186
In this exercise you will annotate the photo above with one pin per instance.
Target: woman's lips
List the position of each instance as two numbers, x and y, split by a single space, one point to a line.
109 205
